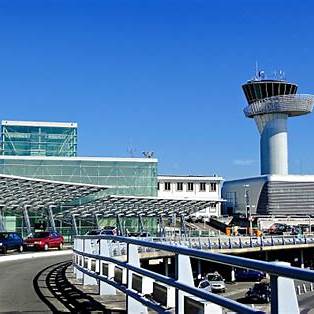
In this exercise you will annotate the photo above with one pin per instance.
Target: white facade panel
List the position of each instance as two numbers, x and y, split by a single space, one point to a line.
193 188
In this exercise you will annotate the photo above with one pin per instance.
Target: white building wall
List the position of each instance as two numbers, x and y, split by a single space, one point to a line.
212 191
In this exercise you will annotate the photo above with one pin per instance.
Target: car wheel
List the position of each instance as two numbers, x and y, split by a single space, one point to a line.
21 249
46 247
4 250
60 246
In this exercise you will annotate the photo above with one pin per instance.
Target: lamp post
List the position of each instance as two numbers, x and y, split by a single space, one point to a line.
248 207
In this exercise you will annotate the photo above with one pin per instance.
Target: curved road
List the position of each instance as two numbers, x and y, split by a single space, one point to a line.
17 292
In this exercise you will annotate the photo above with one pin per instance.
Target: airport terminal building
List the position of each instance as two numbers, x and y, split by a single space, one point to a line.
48 151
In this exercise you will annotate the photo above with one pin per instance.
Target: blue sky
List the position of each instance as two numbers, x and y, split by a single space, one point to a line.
162 76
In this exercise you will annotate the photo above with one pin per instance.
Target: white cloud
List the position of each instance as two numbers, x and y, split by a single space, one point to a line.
244 162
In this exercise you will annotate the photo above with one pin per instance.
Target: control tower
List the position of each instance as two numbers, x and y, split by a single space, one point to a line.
270 103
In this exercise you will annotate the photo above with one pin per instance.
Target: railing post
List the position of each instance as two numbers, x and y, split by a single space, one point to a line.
105 288
274 294
283 294
88 280
134 306
176 276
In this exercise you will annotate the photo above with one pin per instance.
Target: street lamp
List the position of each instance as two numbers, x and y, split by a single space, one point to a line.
248 207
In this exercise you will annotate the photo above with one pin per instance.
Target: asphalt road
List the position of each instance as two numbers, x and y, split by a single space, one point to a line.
17 293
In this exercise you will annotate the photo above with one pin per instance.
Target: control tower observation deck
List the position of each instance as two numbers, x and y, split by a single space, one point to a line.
270 103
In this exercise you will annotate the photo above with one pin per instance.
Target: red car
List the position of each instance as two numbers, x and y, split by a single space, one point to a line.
44 240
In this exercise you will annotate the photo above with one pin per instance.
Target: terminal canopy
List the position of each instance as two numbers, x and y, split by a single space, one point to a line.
130 206
17 192
37 194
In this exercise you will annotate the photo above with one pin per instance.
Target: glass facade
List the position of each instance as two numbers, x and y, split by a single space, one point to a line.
38 139
126 176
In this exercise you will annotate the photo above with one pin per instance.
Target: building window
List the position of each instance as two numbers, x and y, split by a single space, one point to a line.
202 186
213 187
179 186
167 186
158 186
190 186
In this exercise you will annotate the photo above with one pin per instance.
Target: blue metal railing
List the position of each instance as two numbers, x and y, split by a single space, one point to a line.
273 270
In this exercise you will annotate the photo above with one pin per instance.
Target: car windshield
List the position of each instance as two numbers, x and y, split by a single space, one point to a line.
93 232
214 277
108 231
204 284
4 236
38 235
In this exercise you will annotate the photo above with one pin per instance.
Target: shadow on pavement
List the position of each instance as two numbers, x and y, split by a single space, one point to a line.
54 289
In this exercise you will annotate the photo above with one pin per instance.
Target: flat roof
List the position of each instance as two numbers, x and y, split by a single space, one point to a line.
190 177
40 124
121 159
276 177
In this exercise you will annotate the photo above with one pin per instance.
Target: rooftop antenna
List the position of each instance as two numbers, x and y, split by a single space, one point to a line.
256 71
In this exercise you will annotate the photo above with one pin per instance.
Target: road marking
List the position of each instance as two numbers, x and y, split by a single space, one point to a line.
17 257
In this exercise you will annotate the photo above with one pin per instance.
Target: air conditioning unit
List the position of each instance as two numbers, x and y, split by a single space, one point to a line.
120 275
163 294
194 305
141 284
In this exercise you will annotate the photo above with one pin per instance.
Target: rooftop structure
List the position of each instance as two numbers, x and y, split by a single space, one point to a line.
27 138
270 103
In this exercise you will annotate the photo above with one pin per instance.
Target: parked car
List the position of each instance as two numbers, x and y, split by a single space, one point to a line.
44 240
279 229
242 274
217 283
260 292
205 285
104 231
10 241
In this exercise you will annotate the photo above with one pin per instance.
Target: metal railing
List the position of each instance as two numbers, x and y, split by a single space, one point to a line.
219 243
88 261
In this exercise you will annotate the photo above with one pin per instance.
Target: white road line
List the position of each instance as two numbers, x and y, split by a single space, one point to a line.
17 257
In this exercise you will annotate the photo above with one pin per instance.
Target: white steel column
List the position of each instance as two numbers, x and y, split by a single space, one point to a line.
26 219
51 219
2 226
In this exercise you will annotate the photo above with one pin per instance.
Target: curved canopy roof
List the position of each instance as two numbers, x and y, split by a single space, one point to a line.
17 192
129 206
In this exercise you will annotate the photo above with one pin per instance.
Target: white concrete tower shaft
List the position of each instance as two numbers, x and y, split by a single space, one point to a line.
271 102
273 143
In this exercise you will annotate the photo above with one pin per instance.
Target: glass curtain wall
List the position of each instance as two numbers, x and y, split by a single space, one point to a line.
39 141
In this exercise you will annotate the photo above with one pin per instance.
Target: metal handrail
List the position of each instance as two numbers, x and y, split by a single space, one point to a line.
274 270
242 262
228 303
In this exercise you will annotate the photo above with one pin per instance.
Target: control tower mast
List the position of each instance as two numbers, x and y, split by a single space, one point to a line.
270 103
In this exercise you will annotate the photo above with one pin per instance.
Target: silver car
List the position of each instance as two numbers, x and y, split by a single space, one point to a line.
216 282
205 285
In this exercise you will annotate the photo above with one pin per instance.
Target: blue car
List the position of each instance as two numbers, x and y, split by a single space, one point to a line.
10 241
243 274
